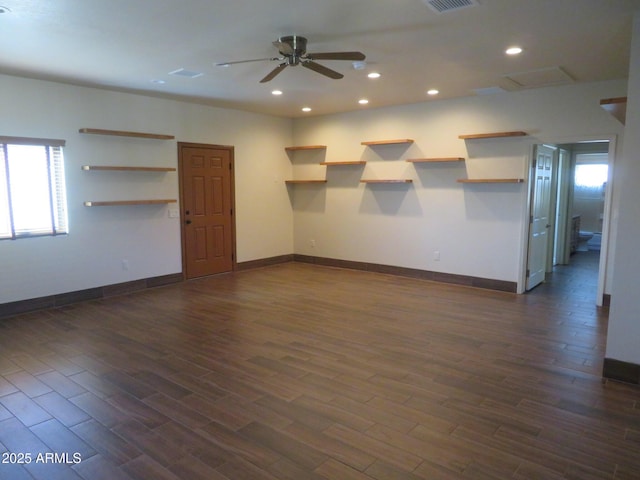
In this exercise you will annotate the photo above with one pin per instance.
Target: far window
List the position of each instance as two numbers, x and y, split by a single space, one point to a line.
591 175
32 191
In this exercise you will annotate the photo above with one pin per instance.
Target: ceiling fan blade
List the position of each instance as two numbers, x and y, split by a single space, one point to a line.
336 56
316 67
273 73
226 64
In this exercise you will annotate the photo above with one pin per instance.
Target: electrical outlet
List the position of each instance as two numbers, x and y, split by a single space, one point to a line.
125 264
312 243
436 255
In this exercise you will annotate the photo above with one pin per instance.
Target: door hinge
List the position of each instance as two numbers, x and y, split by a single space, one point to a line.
231 211
530 218
528 273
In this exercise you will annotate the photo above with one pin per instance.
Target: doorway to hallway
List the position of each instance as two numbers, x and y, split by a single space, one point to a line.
579 212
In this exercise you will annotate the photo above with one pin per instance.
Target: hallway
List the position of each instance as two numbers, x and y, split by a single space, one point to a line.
577 281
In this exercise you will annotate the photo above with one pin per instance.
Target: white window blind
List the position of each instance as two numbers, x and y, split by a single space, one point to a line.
32 188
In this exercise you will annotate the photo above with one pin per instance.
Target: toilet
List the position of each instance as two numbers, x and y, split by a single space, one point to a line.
584 236
593 244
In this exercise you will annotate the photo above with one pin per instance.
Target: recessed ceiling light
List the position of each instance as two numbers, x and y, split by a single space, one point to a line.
513 51
433 91
157 81
363 101
374 75
306 109
276 92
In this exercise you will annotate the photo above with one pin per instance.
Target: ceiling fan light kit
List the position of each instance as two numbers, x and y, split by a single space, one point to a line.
293 51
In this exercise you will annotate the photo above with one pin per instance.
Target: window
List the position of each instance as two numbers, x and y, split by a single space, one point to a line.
32 192
591 175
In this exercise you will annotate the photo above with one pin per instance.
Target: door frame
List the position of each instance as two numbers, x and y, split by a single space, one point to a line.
230 149
564 200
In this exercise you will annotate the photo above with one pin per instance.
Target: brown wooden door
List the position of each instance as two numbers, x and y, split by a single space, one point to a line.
206 180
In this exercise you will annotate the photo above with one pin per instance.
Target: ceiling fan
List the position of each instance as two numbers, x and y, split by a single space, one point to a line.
293 51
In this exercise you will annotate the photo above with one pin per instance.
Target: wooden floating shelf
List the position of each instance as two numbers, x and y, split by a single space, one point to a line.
435 160
329 164
305 147
129 202
388 142
493 135
298 182
123 133
128 169
616 107
405 180
490 180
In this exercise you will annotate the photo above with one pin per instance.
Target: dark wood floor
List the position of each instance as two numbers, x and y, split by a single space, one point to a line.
305 372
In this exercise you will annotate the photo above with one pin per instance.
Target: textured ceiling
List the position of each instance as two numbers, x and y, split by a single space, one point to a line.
130 45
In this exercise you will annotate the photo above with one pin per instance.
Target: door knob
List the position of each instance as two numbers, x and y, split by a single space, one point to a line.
188 222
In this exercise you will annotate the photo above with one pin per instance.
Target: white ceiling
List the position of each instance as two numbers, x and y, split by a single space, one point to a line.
127 44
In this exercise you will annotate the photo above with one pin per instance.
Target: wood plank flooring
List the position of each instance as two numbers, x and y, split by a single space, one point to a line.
302 372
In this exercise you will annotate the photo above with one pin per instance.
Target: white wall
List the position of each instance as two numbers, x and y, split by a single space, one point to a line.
101 237
623 339
478 229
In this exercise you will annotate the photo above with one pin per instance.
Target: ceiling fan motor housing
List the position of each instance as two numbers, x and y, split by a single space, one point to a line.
292 46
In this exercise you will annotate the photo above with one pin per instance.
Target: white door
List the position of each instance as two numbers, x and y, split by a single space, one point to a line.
541 174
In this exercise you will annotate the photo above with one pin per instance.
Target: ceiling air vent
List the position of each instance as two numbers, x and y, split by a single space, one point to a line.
542 77
442 6
181 72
